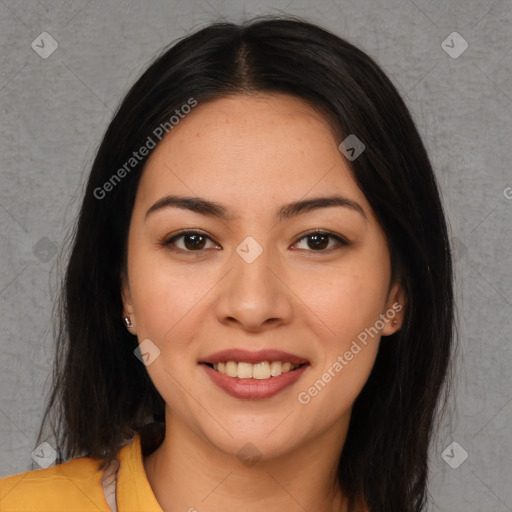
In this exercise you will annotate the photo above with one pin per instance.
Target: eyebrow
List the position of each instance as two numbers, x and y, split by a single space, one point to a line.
214 209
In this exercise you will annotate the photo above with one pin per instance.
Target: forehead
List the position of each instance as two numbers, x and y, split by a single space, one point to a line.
249 150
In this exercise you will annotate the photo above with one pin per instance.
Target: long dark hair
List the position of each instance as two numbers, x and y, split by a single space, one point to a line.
102 394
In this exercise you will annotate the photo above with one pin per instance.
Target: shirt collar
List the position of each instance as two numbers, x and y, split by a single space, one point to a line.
134 492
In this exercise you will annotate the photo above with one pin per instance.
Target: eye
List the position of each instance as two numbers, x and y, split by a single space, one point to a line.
196 241
320 241
189 241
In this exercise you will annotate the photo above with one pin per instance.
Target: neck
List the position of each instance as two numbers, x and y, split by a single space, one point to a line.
188 473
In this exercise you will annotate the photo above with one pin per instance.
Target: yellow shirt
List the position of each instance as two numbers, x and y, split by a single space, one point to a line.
76 486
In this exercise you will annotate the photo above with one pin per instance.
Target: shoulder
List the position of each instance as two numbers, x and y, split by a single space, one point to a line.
77 484
74 485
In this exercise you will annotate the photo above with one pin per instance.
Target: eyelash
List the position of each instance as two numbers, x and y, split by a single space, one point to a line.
168 242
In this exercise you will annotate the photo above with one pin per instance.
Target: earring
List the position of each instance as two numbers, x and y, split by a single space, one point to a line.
394 323
127 322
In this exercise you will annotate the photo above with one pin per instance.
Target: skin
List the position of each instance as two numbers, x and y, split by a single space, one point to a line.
253 154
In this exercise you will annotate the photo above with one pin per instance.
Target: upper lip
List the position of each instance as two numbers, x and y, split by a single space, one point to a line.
254 357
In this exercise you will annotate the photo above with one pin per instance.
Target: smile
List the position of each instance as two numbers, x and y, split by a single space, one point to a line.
254 375
260 371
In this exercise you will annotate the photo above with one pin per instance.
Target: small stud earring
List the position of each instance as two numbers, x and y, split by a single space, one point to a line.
127 322
394 323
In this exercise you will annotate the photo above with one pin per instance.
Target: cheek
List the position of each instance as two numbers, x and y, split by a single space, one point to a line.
348 298
167 297
349 310
330 392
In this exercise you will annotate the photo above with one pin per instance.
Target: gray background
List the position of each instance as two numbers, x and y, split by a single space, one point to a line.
54 113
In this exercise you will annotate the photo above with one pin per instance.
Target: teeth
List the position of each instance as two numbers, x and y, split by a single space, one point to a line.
276 368
244 371
260 371
231 369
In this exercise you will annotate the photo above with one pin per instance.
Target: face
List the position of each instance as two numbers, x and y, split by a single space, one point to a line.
259 270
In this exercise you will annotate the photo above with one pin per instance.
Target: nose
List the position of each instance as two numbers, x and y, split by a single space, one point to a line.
254 296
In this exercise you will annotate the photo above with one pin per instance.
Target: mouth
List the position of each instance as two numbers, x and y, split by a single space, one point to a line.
254 375
260 371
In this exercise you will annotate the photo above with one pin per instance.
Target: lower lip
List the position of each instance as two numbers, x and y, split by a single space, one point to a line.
254 389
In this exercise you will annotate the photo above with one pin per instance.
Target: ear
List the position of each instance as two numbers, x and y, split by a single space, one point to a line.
126 297
395 310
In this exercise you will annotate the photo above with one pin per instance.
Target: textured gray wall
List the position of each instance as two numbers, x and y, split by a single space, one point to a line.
55 110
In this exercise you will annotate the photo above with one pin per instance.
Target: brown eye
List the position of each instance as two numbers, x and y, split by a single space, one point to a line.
193 242
189 241
320 241
317 242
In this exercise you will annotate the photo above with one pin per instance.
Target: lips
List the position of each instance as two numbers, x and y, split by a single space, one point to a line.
257 385
247 356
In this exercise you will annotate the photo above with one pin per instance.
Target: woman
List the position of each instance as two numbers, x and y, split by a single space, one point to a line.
258 306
